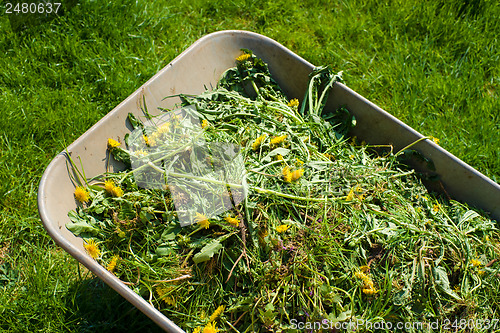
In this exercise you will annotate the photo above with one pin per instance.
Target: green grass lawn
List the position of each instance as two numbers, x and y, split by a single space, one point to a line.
435 65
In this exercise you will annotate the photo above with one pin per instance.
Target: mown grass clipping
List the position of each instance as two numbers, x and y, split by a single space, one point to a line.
323 228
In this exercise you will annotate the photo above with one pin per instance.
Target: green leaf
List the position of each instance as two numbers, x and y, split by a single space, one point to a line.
164 251
442 281
274 152
468 215
268 315
81 227
74 216
121 155
134 121
208 251
269 307
146 216
170 232
343 316
401 297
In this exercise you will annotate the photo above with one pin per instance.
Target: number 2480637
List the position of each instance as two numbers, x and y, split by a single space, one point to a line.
32 8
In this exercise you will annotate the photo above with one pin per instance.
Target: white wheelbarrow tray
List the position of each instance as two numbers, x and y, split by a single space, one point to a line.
200 66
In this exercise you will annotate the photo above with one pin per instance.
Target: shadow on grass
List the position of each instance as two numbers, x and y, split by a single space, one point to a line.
95 307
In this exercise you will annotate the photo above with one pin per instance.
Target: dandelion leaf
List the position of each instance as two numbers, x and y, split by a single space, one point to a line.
278 151
134 121
121 155
208 251
442 281
401 297
467 216
170 233
164 251
81 227
343 316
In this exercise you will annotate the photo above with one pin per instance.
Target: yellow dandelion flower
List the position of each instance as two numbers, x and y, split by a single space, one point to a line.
149 141
293 103
278 139
282 228
216 313
197 330
117 191
169 300
435 208
350 196
210 328
299 161
369 291
204 123
361 275
154 137
329 156
120 232
436 140
243 57
92 248
287 175
475 263
232 220
258 142
481 272
161 291
351 157
368 287
296 174
81 194
263 233
364 268
113 143
175 118
112 264
164 128
140 153
202 220
109 185
368 283
279 157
